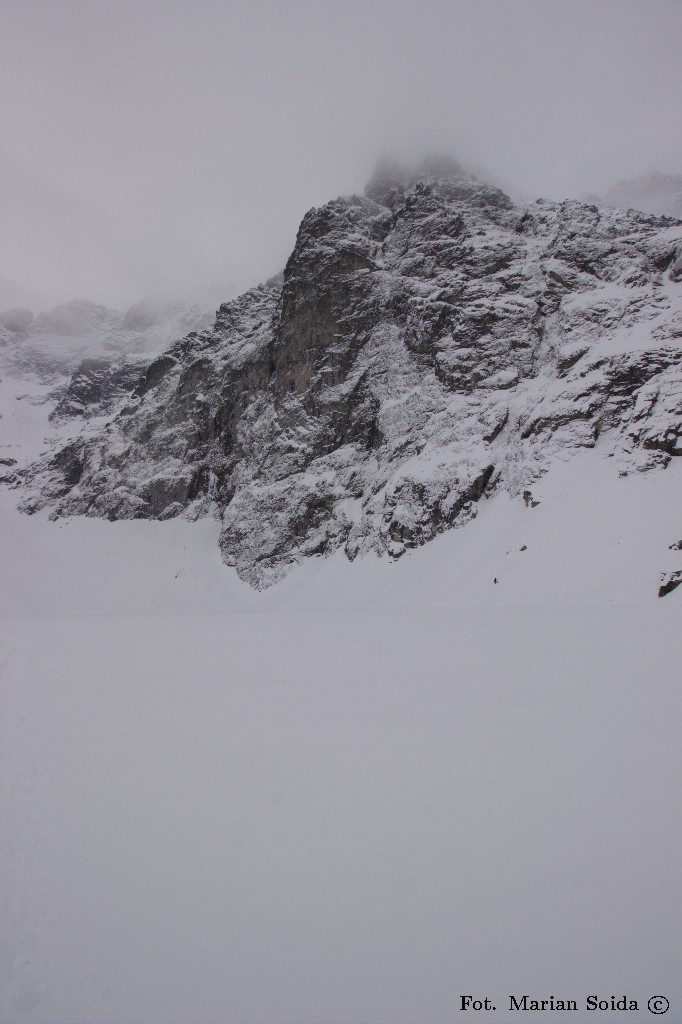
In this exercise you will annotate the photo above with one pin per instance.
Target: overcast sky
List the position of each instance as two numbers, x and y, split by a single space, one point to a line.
159 146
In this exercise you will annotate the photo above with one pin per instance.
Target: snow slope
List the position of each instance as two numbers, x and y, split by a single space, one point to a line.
356 796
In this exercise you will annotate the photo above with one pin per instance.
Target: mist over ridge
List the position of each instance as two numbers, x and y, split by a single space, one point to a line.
155 149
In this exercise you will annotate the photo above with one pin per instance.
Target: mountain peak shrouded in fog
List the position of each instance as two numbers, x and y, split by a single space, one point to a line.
392 174
439 165
124 172
428 346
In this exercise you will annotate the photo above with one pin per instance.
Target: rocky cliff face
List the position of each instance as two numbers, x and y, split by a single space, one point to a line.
431 343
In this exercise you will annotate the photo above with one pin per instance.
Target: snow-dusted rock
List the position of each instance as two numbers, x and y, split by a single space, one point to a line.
431 342
669 582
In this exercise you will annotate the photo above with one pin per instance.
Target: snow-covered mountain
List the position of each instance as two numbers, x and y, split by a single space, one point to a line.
384 783
432 343
53 343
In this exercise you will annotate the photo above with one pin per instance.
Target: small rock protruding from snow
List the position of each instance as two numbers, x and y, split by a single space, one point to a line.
669 582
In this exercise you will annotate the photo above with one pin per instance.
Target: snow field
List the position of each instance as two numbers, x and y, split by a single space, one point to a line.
356 796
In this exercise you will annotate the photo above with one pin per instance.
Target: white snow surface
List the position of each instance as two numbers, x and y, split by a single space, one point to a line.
358 795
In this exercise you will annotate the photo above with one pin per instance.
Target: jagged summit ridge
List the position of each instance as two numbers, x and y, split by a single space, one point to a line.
431 342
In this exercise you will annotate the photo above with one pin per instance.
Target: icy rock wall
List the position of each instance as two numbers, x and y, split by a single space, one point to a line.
431 342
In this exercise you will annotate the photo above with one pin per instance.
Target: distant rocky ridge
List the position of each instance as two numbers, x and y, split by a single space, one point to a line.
88 356
431 343
58 339
656 193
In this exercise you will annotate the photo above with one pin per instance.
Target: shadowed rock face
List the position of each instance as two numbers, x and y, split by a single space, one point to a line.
96 387
431 342
669 582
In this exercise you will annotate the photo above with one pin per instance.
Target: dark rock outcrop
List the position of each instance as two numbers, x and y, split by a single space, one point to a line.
669 582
